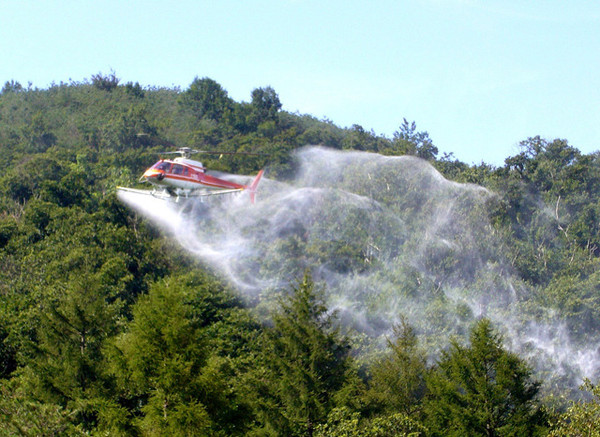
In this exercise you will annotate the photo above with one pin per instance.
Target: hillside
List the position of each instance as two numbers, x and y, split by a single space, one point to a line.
368 274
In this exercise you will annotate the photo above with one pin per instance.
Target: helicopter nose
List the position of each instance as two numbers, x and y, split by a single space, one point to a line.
152 174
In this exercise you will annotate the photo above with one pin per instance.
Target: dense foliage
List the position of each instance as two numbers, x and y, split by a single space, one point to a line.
109 328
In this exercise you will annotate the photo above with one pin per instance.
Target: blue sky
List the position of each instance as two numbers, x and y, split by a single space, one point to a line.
479 76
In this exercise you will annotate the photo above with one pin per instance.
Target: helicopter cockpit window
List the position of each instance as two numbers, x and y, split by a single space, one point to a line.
177 169
164 166
186 171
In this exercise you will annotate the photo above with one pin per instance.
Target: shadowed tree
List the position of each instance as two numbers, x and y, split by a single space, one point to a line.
66 369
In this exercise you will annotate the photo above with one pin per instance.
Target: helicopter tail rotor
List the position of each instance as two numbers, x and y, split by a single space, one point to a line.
254 185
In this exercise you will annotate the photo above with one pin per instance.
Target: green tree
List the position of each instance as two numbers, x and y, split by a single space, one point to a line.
8 359
106 82
11 86
38 134
207 99
482 390
164 364
358 139
343 423
410 142
265 105
397 383
66 369
582 418
306 362
20 415
159 359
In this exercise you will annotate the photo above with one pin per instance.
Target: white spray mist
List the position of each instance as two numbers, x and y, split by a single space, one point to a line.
390 237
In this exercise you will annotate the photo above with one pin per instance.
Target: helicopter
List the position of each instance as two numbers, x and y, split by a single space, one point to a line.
184 177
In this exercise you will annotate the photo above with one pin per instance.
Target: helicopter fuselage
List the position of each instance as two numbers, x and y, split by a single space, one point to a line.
185 175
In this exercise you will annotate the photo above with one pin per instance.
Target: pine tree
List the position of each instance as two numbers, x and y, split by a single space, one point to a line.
66 368
482 390
397 382
306 362
162 355
169 376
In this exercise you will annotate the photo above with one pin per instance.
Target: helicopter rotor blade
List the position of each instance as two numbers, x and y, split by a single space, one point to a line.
186 151
181 151
215 152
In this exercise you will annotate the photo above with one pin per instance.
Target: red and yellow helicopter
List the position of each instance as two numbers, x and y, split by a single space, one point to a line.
184 177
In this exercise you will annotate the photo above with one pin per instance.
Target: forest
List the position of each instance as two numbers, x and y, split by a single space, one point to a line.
377 288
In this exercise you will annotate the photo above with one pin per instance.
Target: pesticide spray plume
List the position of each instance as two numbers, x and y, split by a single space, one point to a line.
389 237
